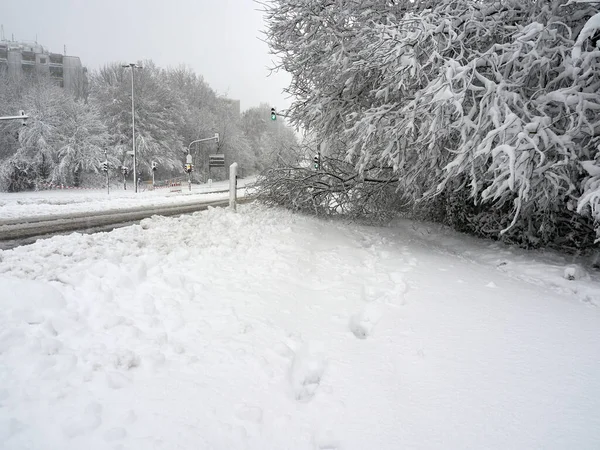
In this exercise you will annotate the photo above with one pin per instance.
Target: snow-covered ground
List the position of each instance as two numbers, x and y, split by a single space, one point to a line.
67 201
262 329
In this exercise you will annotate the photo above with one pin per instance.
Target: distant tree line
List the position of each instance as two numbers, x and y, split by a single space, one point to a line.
68 133
484 115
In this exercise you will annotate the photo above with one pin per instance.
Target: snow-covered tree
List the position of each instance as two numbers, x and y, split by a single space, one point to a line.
62 140
159 114
488 104
272 143
84 138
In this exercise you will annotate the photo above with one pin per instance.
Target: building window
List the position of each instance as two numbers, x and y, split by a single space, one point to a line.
28 56
56 72
42 60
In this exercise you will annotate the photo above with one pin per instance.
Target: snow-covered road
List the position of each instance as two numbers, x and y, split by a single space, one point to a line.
31 204
267 330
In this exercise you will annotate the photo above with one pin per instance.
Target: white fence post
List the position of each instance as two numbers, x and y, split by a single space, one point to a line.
233 185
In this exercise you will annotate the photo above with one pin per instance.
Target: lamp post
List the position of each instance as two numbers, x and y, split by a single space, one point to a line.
133 66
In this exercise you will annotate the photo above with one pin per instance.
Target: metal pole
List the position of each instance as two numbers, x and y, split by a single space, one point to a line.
215 138
22 117
133 127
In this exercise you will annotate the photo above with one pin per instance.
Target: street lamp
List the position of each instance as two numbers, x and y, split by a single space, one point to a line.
133 66
214 138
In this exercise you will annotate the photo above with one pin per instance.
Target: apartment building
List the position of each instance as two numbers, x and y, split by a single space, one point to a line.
21 58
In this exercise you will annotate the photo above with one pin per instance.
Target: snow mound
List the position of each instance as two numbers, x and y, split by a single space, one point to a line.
31 302
575 272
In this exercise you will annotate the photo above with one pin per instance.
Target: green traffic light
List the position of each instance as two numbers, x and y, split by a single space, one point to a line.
273 116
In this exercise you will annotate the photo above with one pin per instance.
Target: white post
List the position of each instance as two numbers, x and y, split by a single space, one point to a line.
233 185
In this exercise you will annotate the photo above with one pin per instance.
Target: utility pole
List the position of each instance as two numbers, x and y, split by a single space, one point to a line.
133 66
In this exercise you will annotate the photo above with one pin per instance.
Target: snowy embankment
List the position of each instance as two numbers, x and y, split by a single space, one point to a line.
60 202
266 330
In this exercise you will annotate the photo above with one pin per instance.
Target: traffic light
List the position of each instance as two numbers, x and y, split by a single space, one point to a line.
154 166
273 114
317 161
23 121
105 166
125 170
188 168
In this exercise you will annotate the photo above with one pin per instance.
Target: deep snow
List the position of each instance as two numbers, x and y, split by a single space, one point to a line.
262 329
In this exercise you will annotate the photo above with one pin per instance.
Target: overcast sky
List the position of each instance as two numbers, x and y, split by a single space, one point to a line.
218 39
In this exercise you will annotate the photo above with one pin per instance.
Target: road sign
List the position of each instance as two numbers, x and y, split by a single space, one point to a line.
217 160
188 159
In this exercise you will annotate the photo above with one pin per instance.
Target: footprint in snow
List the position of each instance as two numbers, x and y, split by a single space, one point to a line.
362 323
125 359
325 441
371 293
306 373
397 278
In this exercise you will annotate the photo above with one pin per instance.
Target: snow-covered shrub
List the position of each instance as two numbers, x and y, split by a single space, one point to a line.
17 175
489 105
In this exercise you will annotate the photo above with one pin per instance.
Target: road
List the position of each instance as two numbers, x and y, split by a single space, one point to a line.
21 231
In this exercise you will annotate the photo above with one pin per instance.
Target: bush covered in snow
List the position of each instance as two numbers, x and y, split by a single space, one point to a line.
480 114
